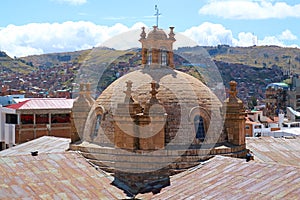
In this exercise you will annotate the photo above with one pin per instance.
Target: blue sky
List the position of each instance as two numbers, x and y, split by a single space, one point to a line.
44 26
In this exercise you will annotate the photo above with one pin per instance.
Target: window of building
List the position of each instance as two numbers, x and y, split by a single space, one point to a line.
27 119
257 126
11 119
164 58
97 125
60 118
149 58
42 119
247 127
199 127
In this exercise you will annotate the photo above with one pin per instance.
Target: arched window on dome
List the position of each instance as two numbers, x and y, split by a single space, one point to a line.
97 125
199 127
149 61
164 58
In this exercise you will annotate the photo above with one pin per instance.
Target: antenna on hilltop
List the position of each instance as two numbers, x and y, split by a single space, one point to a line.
254 39
157 14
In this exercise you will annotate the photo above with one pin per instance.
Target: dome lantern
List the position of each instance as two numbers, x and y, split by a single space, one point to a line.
157 48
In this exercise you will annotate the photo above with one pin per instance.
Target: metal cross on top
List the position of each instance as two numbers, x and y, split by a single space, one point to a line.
157 14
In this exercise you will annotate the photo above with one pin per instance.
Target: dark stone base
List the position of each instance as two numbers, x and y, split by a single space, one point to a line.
135 183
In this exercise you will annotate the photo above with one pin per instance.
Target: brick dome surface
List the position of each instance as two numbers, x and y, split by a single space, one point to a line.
173 86
157 34
178 95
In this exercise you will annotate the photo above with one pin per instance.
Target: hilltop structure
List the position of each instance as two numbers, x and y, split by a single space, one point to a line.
156 121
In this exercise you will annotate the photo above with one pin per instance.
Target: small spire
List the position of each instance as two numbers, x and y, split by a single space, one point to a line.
171 34
81 89
153 92
128 91
143 34
233 91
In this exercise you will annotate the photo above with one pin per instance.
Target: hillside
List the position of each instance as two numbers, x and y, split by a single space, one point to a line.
16 65
255 56
258 56
252 67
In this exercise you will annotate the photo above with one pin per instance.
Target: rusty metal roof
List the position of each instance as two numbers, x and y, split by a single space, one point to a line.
232 178
45 144
283 150
54 176
68 175
43 103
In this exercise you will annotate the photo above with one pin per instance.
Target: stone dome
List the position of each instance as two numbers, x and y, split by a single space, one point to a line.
157 34
179 97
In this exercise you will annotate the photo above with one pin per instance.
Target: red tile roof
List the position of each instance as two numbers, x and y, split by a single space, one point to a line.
17 105
43 103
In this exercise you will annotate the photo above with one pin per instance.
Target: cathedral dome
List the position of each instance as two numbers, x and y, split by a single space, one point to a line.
179 97
157 118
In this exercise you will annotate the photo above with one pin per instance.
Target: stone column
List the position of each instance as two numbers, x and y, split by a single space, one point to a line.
235 117
79 114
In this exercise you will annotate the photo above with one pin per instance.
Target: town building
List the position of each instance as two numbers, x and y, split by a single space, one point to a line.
33 118
294 93
276 98
10 99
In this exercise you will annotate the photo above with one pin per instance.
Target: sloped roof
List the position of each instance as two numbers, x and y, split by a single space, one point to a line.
69 176
45 144
232 178
275 173
282 150
54 176
294 112
278 85
43 103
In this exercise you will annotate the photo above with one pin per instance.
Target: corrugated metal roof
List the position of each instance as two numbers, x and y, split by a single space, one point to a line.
54 176
275 150
232 178
43 103
45 144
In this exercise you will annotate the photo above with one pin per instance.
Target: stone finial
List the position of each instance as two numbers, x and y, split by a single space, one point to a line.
153 91
171 34
88 93
143 34
81 89
233 91
88 87
128 91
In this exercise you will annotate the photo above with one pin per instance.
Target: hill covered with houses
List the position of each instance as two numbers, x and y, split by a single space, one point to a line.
57 74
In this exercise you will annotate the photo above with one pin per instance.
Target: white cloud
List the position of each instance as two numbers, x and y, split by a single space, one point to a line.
245 40
72 2
250 9
39 38
209 34
287 35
